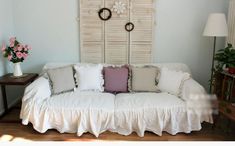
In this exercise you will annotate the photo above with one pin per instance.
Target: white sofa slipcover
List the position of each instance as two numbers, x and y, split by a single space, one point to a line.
96 112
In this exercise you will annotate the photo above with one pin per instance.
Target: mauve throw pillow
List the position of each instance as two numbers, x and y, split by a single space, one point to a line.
116 79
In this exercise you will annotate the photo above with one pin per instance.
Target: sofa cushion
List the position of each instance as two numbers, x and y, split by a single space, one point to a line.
144 79
89 77
116 79
61 79
80 100
156 112
171 81
79 111
145 100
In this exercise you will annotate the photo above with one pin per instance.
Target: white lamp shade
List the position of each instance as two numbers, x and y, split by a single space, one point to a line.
216 25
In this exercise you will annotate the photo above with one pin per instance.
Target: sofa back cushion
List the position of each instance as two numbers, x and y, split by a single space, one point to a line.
144 79
171 81
89 77
61 79
116 79
172 66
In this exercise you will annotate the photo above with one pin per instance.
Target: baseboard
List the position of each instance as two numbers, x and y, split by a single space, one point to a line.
10 105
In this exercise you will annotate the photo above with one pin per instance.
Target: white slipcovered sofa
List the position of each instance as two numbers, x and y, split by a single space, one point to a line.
124 113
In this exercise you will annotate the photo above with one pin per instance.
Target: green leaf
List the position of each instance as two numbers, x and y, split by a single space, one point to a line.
225 56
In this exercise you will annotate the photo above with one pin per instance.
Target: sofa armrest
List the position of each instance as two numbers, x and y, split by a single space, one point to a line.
38 90
196 97
35 93
197 100
191 88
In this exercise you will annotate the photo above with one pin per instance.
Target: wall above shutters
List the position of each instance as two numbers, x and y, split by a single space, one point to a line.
108 41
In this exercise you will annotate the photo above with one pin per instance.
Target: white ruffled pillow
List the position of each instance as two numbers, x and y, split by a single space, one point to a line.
89 77
171 81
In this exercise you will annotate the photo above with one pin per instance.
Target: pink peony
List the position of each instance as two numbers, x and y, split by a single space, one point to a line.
12 45
19 55
19 47
3 47
29 48
15 49
12 40
9 57
25 47
24 55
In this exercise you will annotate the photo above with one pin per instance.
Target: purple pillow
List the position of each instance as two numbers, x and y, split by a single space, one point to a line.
116 79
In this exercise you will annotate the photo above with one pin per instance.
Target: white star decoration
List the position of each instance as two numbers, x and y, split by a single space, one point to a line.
119 7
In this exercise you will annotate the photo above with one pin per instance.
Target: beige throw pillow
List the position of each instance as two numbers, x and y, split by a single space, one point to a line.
62 79
144 79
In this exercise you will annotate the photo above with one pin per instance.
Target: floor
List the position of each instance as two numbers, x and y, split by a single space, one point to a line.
12 130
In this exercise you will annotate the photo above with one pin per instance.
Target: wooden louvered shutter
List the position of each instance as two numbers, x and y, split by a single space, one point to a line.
91 32
116 37
141 38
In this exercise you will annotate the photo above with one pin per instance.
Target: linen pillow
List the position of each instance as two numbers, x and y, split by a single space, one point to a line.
61 79
144 79
89 77
171 81
116 79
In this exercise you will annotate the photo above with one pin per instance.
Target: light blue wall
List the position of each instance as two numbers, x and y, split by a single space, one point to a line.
6 30
180 24
50 27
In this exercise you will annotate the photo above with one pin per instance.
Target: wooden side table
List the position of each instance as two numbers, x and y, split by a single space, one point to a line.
227 109
9 79
224 88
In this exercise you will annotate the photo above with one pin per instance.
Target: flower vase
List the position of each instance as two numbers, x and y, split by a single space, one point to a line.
17 70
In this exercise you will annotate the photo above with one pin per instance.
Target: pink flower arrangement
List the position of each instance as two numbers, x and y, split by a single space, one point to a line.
15 52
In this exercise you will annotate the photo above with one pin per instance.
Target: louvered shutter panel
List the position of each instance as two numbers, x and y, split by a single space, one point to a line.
141 38
116 37
91 32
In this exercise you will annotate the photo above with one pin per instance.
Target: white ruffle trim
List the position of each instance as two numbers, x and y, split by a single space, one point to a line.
172 121
74 120
43 118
